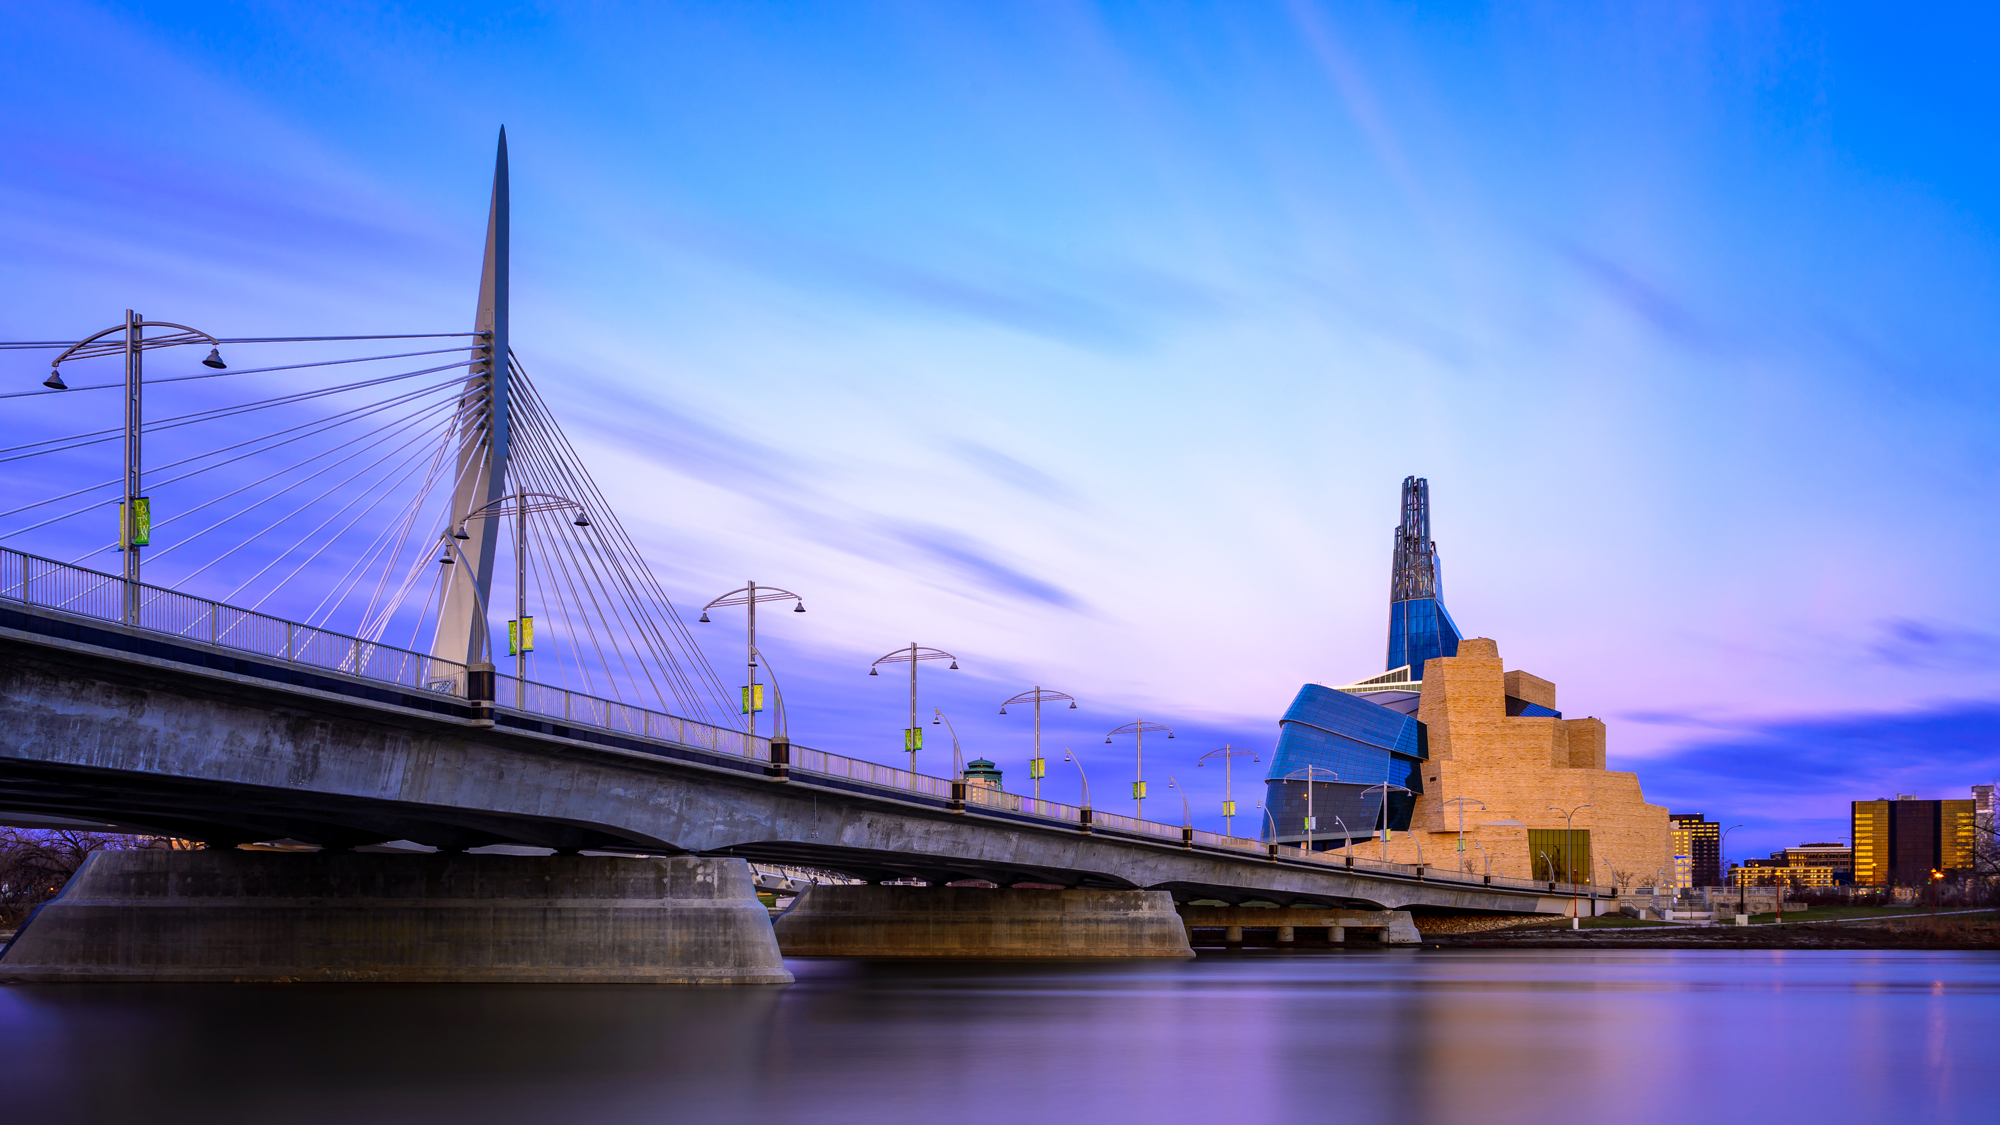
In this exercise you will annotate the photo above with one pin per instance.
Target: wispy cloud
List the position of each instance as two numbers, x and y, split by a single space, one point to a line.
1918 644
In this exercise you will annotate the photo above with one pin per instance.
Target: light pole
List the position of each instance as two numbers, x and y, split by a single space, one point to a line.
957 758
1488 858
1228 791
1461 802
1569 852
749 596
1385 787
913 735
1271 821
1722 857
1137 729
521 638
135 513
1187 812
1036 766
1309 771
1081 776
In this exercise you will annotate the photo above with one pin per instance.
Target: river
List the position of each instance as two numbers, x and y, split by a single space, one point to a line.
1366 1036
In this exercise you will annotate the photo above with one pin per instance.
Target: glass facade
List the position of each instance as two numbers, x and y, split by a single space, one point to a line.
1419 629
1358 743
1560 855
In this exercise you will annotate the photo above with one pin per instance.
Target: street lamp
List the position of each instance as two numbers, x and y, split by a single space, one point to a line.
1461 802
913 736
1228 792
957 758
1569 852
1138 729
1187 813
1385 787
521 635
749 596
1488 858
1309 771
1082 777
1722 857
135 514
1273 823
1036 766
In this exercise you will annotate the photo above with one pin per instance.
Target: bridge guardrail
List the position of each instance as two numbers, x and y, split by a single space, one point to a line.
66 588
48 584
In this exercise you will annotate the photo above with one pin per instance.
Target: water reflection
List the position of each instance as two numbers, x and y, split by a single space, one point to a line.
1389 1036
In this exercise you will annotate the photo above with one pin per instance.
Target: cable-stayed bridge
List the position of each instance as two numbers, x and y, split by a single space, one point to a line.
295 638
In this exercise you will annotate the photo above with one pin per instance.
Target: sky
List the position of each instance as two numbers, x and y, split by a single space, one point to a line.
1091 343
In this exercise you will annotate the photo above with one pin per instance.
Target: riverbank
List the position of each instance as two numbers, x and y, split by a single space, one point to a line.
1969 931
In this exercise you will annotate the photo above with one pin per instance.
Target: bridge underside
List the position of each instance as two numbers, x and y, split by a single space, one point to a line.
101 725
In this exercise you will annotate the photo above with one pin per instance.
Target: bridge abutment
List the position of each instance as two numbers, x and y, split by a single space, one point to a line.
344 916
977 922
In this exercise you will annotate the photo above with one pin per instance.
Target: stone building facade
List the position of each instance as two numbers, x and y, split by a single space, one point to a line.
1522 768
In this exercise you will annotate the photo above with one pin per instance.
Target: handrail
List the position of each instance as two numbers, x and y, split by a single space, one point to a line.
65 588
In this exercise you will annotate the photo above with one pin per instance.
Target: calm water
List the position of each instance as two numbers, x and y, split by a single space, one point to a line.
1375 1036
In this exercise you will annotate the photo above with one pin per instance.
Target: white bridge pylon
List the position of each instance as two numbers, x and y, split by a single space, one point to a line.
463 631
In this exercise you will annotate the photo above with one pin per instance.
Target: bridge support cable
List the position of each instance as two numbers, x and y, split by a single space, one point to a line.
650 609
598 577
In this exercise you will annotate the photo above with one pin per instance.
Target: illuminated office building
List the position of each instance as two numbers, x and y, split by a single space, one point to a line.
1900 842
1698 844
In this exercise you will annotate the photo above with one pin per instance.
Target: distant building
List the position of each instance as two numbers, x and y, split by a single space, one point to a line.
1779 872
981 772
1699 839
1836 857
1900 842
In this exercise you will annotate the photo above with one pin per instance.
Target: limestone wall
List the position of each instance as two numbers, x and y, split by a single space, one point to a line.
1519 766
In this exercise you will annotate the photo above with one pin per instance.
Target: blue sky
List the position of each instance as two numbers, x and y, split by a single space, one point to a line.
1091 342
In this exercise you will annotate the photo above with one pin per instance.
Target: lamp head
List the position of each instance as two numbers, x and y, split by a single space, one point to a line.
1003 710
799 608
704 620
460 533
1170 734
1107 740
581 520
54 381
873 672
954 665
1072 704
215 360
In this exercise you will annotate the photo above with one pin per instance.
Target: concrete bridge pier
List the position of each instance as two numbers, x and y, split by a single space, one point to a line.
1391 927
344 916
981 923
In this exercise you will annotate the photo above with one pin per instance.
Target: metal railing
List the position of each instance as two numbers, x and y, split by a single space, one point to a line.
47 584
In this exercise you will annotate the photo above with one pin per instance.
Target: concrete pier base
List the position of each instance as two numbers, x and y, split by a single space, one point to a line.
974 923
1388 926
268 916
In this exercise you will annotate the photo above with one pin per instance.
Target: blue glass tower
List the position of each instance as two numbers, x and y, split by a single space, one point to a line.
1419 626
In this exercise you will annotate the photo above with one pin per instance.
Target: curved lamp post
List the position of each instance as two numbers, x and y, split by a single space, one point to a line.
1036 766
135 517
1085 779
749 596
957 757
1187 812
1226 753
1137 729
913 735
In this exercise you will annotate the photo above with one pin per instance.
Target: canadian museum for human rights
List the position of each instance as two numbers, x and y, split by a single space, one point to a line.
1447 741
